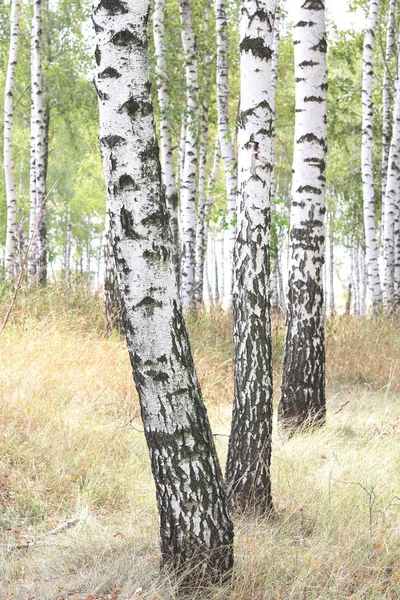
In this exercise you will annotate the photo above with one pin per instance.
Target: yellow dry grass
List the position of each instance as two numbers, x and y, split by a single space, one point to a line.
71 445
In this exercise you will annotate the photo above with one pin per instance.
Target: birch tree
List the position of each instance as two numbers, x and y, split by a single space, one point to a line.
391 203
167 164
387 95
11 236
249 452
39 150
303 379
188 188
366 158
224 133
195 527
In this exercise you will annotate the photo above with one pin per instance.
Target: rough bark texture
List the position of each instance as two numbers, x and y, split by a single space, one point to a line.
11 236
303 379
188 189
171 193
366 159
224 133
195 527
249 454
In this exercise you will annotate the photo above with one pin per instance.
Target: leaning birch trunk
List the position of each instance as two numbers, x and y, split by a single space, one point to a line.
169 180
391 203
249 454
11 236
386 100
224 133
303 380
366 159
40 142
195 527
188 189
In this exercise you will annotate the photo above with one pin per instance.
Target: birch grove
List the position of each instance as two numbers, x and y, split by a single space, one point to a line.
303 380
195 528
11 239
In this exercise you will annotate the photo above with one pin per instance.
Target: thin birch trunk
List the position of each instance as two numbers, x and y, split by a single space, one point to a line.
42 198
202 223
224 133
303 402
366 159
391 202
331 268
67 250
274 82
249 454
387 96
195 527
274 285
11 234
167 164
188 190
356 280
201 185
397 256
363 283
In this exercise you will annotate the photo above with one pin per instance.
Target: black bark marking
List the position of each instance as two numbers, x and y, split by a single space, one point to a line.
97 54
134 108
113 7
257 47
110 72
128 184
111 141
127 39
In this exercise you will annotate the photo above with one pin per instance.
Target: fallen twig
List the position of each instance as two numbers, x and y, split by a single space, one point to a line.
33 544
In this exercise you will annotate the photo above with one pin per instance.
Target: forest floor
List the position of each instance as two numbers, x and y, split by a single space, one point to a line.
71 448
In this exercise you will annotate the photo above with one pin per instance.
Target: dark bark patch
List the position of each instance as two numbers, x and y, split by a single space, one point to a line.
113 7
158 375
321 46
127 39
134 108
128 224
97 55
127 184
110 72
111 141
257 47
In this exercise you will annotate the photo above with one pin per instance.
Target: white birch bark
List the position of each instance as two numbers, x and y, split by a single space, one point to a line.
387 95
249 453
274 81
202 236
396 292
363 283
391 206
331 269
224 133
11 234
39 139
303 379
366 159
67 250
188 189
32 259
201 201
356 280
195 528
167 165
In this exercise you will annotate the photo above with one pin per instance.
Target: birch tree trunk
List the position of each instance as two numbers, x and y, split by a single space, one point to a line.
331 269
366 159
168 173
397 257
195 527
249 454
32 259
302 401
224 134
39 151
202 221
67 250
11 235
188 190
387 95
363 284
201 202
391 202
356 280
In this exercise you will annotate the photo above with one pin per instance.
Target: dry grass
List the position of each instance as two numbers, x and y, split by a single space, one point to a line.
71 444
